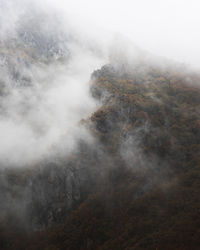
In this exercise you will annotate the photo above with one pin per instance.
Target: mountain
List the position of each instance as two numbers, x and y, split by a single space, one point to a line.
136 187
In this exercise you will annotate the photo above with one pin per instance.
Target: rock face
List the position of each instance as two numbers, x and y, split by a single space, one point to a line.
57 188
54 191
30 46
45 194
40 195
27 192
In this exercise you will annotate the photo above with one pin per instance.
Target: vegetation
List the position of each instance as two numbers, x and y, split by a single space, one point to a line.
147 193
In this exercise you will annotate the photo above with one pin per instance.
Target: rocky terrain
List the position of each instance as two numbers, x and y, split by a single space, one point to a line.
135 187
126 176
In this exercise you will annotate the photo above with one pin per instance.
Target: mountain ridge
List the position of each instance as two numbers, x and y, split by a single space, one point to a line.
143 168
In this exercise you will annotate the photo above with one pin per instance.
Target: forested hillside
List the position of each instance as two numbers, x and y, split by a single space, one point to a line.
143 169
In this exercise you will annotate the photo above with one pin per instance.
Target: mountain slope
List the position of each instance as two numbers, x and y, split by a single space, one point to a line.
145 194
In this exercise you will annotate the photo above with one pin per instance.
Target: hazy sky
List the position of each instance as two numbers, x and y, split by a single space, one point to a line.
169 28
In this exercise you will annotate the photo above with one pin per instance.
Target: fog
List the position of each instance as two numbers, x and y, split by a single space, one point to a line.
56 145
166 28
49 50
45 71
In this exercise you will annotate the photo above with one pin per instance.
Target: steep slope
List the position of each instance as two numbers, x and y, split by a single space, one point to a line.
146 194
40 190
158 108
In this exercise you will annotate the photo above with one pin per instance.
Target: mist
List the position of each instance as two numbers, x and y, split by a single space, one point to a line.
49 50
99 124
45 73
167 29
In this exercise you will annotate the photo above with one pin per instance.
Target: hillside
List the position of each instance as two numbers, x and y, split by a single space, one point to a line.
143 171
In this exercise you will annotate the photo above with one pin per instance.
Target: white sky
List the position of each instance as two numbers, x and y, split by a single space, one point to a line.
165 27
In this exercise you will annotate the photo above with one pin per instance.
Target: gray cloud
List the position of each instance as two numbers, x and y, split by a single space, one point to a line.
45 70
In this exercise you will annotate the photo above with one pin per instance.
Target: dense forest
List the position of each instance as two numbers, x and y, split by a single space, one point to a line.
136 187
